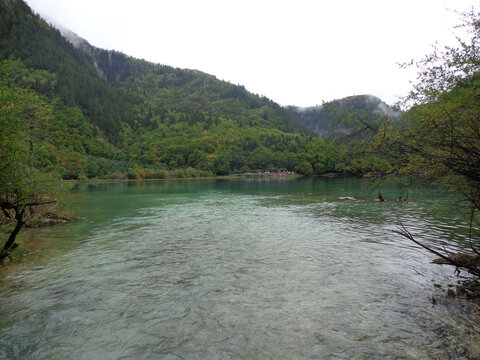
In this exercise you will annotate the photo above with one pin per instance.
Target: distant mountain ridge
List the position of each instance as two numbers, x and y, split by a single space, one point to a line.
327 120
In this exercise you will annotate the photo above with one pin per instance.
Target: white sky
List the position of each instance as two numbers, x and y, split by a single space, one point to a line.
296 52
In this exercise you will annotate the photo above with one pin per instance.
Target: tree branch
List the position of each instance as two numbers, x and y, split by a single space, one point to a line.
405 233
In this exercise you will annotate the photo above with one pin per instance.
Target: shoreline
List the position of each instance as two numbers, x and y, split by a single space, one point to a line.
221 177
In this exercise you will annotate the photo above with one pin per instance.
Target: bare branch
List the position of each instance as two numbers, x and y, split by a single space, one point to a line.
401 230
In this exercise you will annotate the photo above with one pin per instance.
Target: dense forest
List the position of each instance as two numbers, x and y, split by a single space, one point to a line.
114 116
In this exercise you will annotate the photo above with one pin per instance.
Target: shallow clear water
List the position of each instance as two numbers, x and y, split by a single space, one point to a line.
238 269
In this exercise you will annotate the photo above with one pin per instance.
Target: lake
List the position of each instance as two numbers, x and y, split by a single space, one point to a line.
255 268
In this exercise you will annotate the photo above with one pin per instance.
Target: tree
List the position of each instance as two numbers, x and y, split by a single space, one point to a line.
440 137
305 168
221 165
23 186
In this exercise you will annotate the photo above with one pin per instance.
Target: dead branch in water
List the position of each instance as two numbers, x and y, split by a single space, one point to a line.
454 260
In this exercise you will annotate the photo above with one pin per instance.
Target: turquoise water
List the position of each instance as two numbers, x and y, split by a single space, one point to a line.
239 269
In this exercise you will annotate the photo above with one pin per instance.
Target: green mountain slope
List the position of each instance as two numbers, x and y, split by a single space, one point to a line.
342 117
117 116
74 80
195 94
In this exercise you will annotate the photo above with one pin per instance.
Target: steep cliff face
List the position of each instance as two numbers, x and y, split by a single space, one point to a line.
83 45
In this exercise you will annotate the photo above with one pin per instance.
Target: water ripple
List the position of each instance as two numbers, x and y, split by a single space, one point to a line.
216 274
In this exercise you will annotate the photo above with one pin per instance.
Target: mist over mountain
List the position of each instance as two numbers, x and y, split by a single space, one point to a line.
328 120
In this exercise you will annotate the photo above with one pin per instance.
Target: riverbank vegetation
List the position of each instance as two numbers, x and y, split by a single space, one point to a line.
24 186
439 138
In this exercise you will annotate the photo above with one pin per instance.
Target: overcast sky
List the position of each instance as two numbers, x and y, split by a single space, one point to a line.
296 52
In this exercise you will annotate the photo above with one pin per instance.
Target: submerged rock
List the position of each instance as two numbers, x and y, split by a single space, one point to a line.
460 258
460 290
351 198
48 219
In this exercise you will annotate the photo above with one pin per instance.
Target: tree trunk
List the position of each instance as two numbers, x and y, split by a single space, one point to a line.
13 235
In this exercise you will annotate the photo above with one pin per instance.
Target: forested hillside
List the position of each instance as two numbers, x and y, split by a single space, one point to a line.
341 117
116 116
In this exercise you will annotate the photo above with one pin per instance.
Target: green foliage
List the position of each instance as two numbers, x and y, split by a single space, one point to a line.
22 115
353 116
439 137
64 70
191 172
178 174
305 168
128 118
24 181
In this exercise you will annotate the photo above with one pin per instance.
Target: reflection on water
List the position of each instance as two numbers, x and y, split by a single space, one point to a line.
238 269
